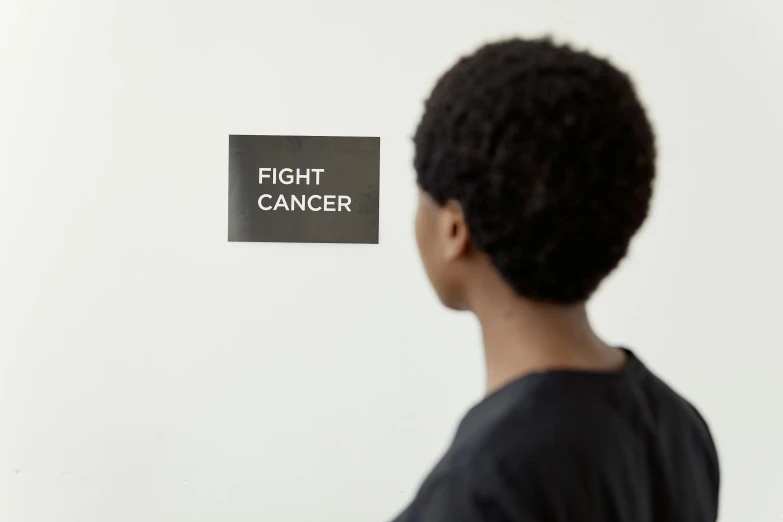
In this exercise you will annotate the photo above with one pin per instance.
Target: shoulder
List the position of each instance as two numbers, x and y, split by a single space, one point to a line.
519 469
468 491
557 430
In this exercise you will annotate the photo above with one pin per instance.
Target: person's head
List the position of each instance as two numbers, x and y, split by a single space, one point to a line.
536 162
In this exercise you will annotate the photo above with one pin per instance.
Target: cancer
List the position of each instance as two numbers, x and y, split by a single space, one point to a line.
315 203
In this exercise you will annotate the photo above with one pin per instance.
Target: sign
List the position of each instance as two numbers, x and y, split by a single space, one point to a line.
303 189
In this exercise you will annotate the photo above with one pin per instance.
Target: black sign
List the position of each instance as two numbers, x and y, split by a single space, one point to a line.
303 189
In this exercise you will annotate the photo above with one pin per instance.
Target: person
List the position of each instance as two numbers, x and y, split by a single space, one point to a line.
535 164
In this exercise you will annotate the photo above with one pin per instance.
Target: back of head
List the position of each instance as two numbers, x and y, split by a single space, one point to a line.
551 157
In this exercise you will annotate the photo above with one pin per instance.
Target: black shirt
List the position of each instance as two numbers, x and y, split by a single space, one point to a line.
574 446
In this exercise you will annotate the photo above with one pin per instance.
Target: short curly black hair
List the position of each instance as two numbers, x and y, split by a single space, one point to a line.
551 156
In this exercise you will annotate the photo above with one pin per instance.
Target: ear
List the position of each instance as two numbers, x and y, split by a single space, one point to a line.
454 230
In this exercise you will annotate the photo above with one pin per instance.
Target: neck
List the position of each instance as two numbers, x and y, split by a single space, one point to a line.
522 337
